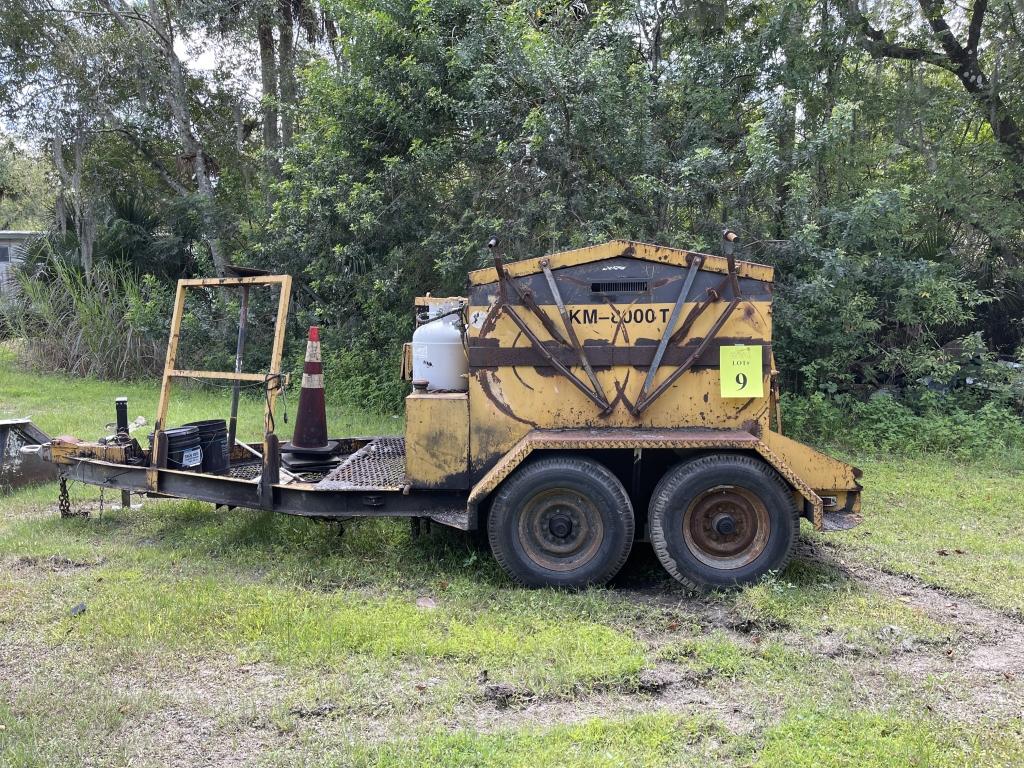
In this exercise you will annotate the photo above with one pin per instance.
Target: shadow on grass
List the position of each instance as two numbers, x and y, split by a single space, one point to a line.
373 553
642 571
354 553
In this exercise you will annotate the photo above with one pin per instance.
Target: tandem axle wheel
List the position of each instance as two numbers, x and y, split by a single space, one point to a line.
717 521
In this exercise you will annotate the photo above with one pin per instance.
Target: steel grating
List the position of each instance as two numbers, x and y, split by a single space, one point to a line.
253 469
379 465
247 471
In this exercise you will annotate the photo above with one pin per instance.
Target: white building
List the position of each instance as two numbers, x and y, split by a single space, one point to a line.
11 242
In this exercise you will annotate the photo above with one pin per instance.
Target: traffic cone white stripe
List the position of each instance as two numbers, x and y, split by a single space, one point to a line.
312 381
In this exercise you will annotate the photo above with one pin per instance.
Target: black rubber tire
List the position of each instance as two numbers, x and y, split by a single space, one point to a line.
577 478
686 483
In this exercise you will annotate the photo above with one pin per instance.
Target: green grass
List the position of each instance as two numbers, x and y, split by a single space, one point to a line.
830 738
176 576
642 742
806 737
134 611
715 654
35 732
814 598
956 526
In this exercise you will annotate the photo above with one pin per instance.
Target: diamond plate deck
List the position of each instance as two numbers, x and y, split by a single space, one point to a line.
377 466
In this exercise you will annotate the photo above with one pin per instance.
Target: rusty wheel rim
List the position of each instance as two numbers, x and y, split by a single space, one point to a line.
560 529
726 527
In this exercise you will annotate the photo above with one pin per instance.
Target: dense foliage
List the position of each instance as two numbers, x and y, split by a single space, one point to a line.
107 327
871 153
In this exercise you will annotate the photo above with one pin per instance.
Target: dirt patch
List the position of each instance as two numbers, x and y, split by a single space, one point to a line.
666 689
180 711
321 709
986 630
664 676
53 563
504 695
979 672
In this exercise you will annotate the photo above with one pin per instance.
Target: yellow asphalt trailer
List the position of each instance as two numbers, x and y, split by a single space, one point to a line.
652 363
618 393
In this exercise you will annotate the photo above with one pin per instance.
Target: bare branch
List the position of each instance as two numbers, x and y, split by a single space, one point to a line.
932 10
122 15
874 40
974 30
963 62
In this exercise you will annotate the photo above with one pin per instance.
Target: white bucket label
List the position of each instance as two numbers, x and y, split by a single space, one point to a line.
193 457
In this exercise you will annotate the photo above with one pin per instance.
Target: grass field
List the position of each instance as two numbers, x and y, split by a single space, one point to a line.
174 635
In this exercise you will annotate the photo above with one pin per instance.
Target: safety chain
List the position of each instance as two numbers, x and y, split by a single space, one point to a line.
63 500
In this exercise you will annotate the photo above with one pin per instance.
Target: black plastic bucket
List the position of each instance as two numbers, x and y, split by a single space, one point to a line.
213 438
184 450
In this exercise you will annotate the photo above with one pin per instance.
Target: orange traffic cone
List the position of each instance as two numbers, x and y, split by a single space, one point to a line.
310 436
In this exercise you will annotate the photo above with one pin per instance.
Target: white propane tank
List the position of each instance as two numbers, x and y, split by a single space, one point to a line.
438 356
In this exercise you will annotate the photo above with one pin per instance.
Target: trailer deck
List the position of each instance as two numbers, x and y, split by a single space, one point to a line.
367 483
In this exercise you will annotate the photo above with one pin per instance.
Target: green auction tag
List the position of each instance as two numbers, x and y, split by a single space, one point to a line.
741 371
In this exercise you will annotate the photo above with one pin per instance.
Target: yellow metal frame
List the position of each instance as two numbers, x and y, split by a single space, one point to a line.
631 248
172 372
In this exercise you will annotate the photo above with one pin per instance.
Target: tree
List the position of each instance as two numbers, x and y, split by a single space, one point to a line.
871 153
960 55
78 72
26 197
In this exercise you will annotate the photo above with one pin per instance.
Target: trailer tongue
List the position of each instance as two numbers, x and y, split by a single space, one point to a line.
618 393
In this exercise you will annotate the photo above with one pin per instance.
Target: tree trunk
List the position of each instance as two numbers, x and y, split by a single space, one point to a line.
85 220
243 164
286 66
786 137
177 99
57 148
82 215
268 79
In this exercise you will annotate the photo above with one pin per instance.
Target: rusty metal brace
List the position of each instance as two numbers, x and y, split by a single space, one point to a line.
728 238
684 294
555 362
505 281
524 297
671 379
776 395
571 332
713 295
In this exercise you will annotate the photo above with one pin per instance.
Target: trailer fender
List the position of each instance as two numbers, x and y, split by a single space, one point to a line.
684 439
